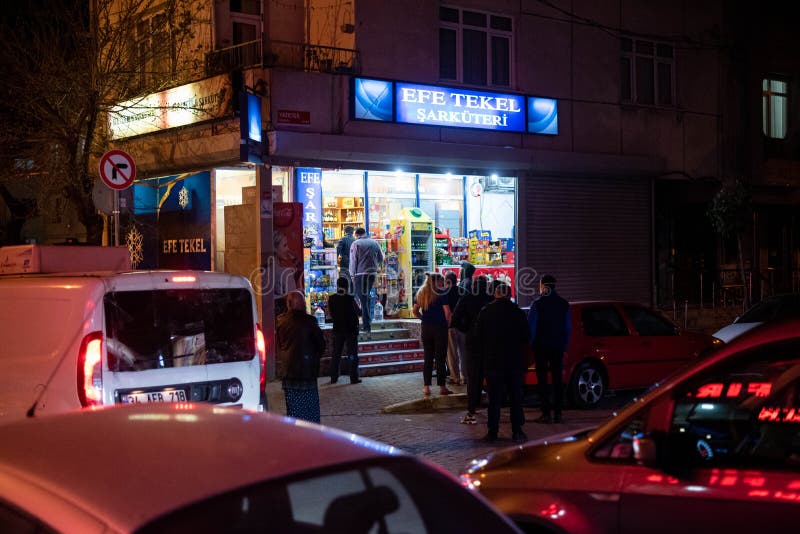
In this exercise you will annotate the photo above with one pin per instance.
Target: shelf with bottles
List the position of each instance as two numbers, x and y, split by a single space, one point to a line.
343 216
318 299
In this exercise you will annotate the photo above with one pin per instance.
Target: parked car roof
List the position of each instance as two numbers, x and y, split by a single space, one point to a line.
185 467
130 464
770 309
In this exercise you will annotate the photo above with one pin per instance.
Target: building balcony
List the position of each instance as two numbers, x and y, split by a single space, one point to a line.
285 55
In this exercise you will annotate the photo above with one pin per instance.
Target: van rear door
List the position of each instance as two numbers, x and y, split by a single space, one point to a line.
188 344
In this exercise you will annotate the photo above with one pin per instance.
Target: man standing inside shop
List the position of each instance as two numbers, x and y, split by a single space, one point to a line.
343 251
365 258
550 326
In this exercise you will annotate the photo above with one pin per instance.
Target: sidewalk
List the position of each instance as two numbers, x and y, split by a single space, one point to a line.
392 409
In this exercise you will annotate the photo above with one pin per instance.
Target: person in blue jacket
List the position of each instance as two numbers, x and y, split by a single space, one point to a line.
550 326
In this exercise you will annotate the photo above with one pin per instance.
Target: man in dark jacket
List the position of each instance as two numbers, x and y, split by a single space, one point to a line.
300 345
502 336
344 312
465 317
343 249
550 327
467 271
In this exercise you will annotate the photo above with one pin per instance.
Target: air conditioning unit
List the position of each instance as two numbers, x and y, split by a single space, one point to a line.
499 183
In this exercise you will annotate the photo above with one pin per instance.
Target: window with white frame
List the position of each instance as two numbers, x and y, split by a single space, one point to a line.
475 48
155 51
775 113
647 72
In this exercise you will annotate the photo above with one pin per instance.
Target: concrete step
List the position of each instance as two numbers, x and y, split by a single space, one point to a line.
383 360
390 356
382 334
388 345
388 323
388 368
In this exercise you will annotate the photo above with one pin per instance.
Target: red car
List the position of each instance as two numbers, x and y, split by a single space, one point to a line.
715 448
621 345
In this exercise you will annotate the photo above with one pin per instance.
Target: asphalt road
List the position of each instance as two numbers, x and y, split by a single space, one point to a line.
391 409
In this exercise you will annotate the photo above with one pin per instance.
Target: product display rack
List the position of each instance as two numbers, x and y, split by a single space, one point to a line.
320 277
413 232
338 212
459 250
442 249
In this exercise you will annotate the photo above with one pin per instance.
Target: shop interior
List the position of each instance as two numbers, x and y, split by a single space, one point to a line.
423 222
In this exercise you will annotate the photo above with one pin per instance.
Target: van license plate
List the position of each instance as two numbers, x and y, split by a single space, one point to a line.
175 395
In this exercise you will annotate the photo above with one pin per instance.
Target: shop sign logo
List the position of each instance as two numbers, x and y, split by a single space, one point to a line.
410 103
441 106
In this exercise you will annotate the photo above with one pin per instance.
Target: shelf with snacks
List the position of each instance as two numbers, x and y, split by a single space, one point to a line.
320 277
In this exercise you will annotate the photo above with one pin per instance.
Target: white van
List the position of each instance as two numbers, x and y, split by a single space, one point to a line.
79 329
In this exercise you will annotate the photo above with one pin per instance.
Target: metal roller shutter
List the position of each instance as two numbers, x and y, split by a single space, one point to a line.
593 235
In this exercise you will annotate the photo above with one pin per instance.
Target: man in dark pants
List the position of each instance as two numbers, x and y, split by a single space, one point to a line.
465 317
344 312
550 326
502 336
365 260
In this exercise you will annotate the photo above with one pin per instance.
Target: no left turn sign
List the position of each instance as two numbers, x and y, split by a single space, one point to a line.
117 169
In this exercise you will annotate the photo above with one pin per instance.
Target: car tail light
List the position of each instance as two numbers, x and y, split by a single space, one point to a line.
261 347
90 378
184 279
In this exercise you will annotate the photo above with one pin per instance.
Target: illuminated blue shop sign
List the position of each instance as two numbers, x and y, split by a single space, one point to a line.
411 103
443 106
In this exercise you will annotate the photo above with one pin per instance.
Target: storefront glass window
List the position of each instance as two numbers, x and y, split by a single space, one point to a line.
442 199
342 202
491 204
389 192
233 187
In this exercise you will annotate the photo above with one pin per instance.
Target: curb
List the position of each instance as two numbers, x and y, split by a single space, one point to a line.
427 404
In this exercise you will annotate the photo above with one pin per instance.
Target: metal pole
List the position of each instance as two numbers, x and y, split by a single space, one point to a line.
701 290
672 288
116 217
685 314
713 295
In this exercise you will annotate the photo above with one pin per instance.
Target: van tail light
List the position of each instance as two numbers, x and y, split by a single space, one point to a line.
90 364
261 347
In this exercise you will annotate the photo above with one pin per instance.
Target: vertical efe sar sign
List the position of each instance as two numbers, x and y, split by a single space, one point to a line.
309 192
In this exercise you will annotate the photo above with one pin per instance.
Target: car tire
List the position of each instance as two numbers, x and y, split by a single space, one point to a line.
588 385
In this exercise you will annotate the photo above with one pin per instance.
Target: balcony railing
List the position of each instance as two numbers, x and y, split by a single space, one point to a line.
282 54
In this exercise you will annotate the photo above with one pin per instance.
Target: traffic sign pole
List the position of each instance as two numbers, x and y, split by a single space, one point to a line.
117 171
116 217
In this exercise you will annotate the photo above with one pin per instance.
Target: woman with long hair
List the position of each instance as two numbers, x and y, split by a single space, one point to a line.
432 309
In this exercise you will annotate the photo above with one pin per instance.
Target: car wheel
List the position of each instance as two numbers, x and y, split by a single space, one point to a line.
588 385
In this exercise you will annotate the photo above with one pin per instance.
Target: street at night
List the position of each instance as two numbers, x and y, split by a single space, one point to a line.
408 266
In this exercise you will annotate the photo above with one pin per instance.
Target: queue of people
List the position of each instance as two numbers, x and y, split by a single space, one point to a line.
489 337
470 329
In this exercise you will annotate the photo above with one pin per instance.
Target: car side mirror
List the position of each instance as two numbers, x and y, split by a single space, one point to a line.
674 454
644 451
